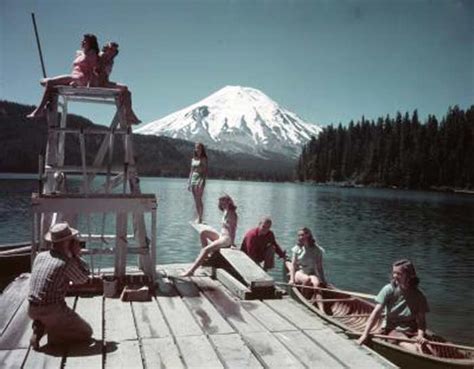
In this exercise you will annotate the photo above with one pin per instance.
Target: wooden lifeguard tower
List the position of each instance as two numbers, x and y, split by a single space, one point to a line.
112 215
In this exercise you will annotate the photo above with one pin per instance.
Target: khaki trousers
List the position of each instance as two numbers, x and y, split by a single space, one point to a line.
62 324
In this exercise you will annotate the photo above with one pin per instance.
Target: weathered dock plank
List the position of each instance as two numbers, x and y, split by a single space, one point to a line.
149 319
12 359
253 275
17 336
233 285
178 316
198 353
12 298
295 313
307 351
44 360
175 311
228 306
234 352
271 351
126 356
120 330
91 309
175 270
273 321
162 353
206 315
353 355
165 286
118 321
88 355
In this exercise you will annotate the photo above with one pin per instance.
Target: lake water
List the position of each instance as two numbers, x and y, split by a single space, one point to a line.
362 230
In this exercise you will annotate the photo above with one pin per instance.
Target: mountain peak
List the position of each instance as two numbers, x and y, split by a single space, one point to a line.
237 119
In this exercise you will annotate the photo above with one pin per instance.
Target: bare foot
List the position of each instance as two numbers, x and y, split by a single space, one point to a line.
187 273
36 114
133 120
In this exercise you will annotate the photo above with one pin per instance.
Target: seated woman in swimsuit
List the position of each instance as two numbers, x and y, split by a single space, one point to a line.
106 64
405 308
84 73
218 240
307 264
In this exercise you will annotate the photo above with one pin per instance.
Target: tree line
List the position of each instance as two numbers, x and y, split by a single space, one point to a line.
399 151
22 140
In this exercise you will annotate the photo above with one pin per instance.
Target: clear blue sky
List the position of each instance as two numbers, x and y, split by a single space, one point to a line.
327 61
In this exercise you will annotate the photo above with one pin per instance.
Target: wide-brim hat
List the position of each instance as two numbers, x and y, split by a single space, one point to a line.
60 232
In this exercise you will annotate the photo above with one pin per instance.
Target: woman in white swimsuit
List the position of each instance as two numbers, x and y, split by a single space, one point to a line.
197 178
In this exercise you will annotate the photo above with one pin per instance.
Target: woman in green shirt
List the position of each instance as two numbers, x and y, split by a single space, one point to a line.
307 264
197 178
405 307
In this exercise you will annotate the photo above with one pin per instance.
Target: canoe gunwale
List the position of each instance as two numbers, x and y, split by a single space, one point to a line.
459 363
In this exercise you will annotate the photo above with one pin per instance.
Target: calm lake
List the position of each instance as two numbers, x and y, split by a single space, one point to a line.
362 230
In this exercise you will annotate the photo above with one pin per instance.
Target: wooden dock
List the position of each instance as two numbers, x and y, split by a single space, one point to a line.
191 323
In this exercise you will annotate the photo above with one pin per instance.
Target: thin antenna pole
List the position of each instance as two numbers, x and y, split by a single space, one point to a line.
39 44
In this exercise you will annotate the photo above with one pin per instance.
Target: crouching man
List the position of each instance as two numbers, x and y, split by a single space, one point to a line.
260 244
50 276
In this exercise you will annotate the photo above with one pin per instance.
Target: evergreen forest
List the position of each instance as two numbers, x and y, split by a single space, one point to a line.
397 152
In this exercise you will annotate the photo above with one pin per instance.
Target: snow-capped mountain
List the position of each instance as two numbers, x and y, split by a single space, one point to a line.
237 119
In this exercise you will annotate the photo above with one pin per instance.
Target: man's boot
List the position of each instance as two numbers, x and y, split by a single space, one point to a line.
38 332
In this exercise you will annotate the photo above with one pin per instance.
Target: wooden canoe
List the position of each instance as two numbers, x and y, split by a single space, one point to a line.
351 313
14 259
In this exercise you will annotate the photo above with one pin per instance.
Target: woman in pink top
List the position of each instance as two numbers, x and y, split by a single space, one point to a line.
84 73
218 240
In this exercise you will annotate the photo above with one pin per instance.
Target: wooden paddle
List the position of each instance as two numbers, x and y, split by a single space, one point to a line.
412 340
352 293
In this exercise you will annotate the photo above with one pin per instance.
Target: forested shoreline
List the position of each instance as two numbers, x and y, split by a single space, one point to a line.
395 152
22 140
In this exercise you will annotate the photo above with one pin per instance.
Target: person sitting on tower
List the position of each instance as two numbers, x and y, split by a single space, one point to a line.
84 73
106 64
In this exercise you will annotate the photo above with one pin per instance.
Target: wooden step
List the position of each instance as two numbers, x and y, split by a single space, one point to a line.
253 275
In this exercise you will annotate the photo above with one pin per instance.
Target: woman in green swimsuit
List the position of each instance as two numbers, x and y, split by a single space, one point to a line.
197 178
405 308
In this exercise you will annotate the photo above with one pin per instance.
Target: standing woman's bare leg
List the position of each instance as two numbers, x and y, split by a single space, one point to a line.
197 194
199 204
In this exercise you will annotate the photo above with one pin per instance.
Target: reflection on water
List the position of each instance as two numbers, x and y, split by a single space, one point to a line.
362 230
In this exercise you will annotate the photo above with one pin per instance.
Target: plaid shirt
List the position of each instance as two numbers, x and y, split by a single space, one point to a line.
51 274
